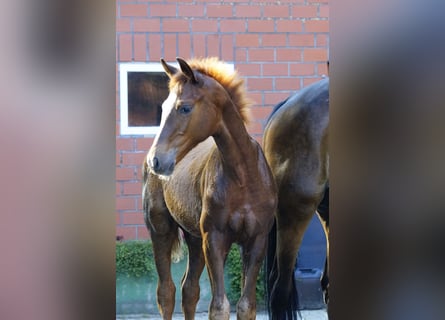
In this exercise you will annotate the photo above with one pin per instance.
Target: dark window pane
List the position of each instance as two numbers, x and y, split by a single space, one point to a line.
146 92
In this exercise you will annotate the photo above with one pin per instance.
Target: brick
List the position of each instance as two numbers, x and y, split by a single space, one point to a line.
256 97
118 188
247 40
170 47
273 40
317 1
128 233
315 54
240 54
255 127
322 68
118 219
175 25
132 188
132 218
162 10
123 25
147 25
305 11
230 25
316 26
139 203
212 43
140 47
133 158
133 10
289 55
273 98
126 144
309 81
142 233
249 69
184 45
191 10
125 174
125 48
219 11
227 52
154 49
289 26
118 159
275 69
260 26
199 45
322 40
324 11
125 203
144 144
301 40
261 54
302 69
276 11
261 113
260 83
247 11
287 83
204 25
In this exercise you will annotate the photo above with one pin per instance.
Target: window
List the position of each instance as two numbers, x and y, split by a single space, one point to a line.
143 88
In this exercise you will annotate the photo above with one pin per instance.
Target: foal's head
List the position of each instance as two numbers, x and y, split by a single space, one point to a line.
199 90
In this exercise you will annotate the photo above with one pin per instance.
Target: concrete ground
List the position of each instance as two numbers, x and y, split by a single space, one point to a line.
305 315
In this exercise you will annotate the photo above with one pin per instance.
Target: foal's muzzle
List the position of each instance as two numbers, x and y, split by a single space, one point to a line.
161 164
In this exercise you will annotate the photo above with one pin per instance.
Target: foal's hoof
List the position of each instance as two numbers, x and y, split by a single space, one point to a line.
220 311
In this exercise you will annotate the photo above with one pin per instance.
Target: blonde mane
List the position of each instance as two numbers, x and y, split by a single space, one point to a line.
230 80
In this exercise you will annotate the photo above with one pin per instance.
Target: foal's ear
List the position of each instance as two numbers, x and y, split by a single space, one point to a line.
170 70
186 70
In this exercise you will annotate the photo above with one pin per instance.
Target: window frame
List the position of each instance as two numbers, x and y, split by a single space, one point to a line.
124 69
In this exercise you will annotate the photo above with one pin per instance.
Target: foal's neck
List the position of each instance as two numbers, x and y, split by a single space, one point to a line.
234 143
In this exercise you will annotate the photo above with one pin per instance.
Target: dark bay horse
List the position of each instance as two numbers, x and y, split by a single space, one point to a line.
296 147
205 175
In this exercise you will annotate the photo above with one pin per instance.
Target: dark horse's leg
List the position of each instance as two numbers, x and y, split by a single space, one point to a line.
252 256
164 236
190 281
295 211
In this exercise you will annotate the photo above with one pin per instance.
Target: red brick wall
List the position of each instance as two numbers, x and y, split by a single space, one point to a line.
278 47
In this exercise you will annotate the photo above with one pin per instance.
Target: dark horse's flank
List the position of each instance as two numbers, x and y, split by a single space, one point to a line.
296 147
205 175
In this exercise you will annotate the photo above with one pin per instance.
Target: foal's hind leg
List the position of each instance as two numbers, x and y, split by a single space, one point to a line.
190 281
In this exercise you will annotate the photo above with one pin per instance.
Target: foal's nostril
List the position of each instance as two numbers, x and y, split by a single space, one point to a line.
155 163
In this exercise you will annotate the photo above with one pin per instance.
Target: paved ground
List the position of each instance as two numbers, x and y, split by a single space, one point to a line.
305 315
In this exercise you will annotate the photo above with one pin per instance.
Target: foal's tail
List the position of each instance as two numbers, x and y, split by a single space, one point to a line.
271 274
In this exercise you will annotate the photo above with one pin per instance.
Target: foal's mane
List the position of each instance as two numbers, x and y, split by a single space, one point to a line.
229 80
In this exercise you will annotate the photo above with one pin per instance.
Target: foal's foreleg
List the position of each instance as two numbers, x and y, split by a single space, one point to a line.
215 249
252 256
190 281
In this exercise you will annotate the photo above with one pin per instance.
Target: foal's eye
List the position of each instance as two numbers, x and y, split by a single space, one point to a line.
185 109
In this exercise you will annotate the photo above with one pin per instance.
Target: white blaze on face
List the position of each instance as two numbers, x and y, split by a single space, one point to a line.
167 107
